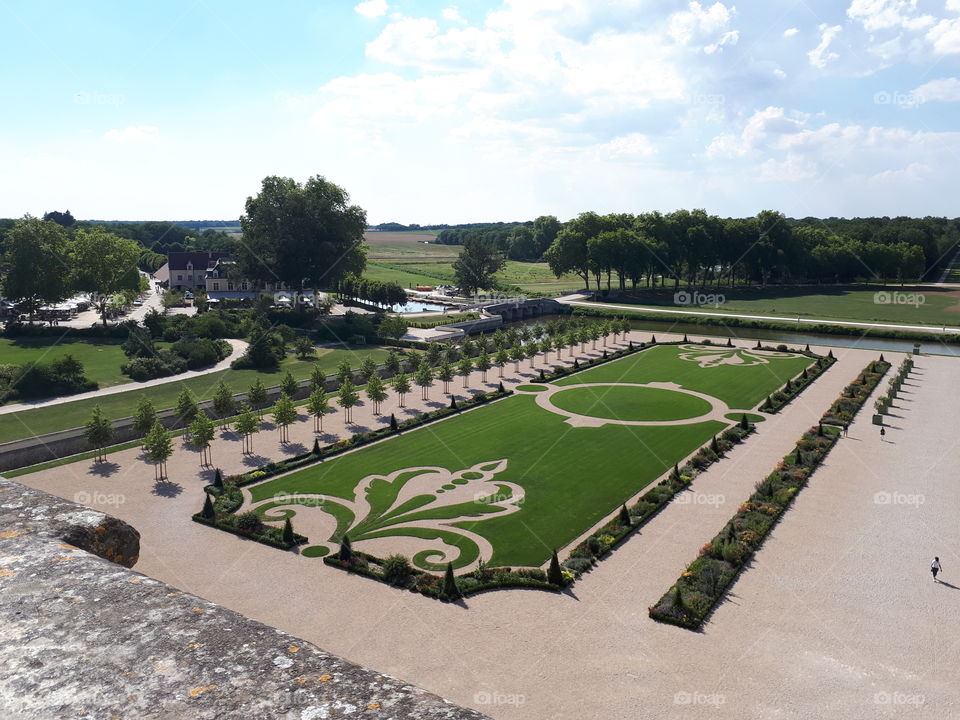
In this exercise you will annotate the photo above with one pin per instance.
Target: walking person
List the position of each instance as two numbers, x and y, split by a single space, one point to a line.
935 568
883 432
846 427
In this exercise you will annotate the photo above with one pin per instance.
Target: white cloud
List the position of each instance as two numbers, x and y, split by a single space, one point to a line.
372 8
708 26
887 14
790 32
133 134
945 36
452 14
419 42
953 5
631 146
821 55
942 90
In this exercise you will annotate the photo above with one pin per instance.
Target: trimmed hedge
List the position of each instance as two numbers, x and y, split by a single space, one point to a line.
708 578
228 501
428 323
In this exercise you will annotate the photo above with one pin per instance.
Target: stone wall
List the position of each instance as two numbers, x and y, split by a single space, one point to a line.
82 636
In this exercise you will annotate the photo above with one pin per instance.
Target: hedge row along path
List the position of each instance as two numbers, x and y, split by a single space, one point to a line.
838 607
239 347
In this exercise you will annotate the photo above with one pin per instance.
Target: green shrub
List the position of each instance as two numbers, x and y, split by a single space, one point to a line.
397 569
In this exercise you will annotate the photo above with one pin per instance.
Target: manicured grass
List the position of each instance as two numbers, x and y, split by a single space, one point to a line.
741 388
571 477
933 305
64 415
630 403
545 456
101 358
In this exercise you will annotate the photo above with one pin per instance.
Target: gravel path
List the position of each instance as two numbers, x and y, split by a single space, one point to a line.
838 610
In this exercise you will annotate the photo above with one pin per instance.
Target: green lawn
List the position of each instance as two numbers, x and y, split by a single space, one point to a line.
67 414
924 305
626 403
101 358
514 473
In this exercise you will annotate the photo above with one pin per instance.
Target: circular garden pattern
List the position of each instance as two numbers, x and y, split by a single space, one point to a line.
631 403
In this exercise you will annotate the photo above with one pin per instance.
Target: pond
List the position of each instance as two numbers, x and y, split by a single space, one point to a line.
416 307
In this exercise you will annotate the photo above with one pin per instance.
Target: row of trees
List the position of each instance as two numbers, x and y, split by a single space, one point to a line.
44 263
373 291
703 250
517 241
439 363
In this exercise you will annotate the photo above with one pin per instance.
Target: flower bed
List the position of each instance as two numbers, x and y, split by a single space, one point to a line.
706 580
228 501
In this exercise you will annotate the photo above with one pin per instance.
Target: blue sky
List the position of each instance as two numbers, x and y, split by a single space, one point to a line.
440 112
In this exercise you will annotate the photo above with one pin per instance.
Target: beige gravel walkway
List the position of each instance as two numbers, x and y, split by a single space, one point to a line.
838 617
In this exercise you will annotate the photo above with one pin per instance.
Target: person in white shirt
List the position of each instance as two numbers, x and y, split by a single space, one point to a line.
935 568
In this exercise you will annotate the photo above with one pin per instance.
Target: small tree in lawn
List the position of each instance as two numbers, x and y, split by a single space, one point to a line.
246 426
287 536
464 368
98 432
401 386
318 405
368 368
347 398
517 353
145 416
423 377
159 449
224 403
392 363
376 391
304 347
187 407
744 423
501 358
318 378
284 415
554 576
257 396
202 431
445 375
344 372
288 385
483 363
450 583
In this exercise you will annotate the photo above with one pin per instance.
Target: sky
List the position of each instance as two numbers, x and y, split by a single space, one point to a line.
432 112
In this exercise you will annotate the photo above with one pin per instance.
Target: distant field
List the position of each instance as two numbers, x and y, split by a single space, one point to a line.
925 305
410 259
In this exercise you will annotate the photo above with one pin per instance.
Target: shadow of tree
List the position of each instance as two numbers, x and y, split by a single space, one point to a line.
166 488
254 460
293 448
103 469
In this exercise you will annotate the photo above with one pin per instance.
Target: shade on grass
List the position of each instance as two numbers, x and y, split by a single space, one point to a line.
61 416
101 359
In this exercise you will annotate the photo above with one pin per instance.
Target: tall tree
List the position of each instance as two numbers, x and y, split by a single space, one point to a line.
257 396
36 263
304 235
445 374
104 265
159 449
284 415
423 377
187 407
246 426
145 415
347 398
475 267
401 386
464 368
224 404
98 432
202 431
318 405
376 391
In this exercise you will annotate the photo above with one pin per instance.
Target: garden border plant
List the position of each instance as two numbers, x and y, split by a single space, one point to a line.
706 581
